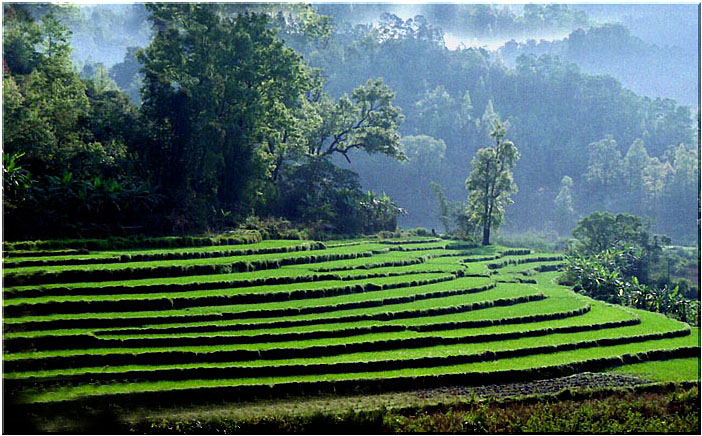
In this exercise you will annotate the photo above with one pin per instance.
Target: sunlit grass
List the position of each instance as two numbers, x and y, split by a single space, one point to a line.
268 289
525 362
448 324
363 248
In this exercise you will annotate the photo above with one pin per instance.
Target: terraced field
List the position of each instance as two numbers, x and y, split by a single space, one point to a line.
188 324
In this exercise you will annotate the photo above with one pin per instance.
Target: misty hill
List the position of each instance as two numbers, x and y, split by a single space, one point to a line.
611 49
558 113
651 49
661 24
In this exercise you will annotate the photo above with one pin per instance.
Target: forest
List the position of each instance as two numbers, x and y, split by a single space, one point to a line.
341 119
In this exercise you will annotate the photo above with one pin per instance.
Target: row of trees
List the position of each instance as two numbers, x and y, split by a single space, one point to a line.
230 120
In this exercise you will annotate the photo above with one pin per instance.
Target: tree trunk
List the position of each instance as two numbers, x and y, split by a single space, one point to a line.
486 234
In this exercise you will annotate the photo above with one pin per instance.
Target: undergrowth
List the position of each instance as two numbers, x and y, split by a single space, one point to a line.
674 410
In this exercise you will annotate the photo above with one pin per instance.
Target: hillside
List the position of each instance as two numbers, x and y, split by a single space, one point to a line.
192 324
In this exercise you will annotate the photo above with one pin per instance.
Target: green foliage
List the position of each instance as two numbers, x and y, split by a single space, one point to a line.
602 276
16 181
380 212
600 231
367 121
491 183
255 153
329 199
218 117
271 228
74 137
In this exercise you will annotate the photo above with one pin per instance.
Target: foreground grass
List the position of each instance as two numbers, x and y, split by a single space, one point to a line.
677 370
517 363
655 409
676 412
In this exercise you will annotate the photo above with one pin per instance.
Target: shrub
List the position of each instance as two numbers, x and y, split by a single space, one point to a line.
273 228
600 276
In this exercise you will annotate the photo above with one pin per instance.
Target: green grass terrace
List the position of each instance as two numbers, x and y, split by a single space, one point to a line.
201 321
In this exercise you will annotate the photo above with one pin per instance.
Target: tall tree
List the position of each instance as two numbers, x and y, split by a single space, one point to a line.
605 172
565 212
223 96
635 162
491 182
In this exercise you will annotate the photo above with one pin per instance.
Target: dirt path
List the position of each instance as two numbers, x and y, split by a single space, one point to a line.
585 380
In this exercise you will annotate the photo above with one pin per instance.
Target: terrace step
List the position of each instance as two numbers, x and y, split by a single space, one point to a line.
232 370
19 278
86 341
174 255
512 252
219 328
520 261
55 324
29 253
206 393
170 303
249 237
124 287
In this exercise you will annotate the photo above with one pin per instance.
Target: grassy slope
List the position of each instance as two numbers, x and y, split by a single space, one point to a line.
676 370
434 258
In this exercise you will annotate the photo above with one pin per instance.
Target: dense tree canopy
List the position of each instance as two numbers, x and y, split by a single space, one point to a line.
67 161
239 102
218 117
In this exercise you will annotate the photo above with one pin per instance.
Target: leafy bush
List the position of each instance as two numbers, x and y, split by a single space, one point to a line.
602 276
327 199
273 228
454 216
